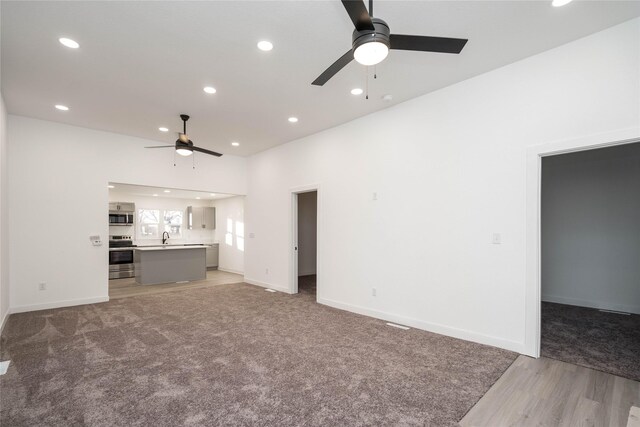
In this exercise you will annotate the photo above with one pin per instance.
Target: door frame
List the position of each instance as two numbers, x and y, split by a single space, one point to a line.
533 284
293 236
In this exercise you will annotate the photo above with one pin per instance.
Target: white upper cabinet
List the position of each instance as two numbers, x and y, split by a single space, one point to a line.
202 218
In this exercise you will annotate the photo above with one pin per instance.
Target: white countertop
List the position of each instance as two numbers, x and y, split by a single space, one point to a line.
167 248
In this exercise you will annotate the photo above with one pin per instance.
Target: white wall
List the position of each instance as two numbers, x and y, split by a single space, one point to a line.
4 223
307 229
591 228
230 233
449 169
162 203
59 175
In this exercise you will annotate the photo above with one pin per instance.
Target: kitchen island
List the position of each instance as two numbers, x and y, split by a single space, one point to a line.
169 264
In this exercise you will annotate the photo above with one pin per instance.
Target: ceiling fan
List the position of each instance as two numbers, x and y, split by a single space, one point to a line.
372 39
184 146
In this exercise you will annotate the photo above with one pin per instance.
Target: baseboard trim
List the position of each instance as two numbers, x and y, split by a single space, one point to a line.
228 270
57 304
591 304
463 334
4 320
266 285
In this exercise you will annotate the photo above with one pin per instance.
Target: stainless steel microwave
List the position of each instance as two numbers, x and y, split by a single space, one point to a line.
120 218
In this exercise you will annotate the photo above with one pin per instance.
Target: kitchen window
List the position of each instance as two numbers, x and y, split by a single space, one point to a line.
153 222
173 223
149 223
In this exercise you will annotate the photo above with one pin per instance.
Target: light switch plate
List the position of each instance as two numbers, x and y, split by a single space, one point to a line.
95 240
496 239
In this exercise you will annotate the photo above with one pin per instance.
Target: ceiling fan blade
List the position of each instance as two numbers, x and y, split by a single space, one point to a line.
358 14
427 44
203 150
333 69
161 146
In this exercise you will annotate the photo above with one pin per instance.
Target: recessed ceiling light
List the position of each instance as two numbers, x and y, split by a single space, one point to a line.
235 144
111 186
210 89
167 191
163 129
197 198
155 195
387 98
265 45
62 107
356 91
293 119
558 3
69 43
213 194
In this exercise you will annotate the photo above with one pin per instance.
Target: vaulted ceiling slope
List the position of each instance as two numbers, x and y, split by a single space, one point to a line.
141 64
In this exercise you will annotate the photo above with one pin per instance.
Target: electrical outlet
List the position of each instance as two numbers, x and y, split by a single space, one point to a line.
42 286
373 292
266 271
374 196
496 239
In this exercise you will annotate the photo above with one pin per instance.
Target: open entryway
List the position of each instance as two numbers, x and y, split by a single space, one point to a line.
166 239
590 259
305 242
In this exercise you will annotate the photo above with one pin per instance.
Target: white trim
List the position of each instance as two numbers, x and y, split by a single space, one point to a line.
428 326
404 328
57 304
293 243
4 320
267 285
228 270
534 177
635 309
293 236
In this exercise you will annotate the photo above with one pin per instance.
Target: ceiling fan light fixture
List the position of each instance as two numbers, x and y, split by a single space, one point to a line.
184 151
371 53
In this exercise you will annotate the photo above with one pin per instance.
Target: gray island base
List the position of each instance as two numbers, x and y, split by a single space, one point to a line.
170 264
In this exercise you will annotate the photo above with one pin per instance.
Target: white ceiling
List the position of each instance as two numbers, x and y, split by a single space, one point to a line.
140 64
174 193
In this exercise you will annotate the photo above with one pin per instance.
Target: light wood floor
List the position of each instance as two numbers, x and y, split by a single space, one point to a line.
546 392
120 288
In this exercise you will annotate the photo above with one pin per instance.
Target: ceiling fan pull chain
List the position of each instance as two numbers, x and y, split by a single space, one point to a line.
174 158
367 83
193 159
375 71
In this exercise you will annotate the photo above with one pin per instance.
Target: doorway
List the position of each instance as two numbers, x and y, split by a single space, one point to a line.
305 243
201 234
590 246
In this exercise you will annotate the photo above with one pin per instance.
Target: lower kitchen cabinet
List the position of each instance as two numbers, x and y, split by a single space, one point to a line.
212 256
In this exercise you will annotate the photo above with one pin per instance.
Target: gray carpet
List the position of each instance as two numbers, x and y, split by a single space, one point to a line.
234 355
588 337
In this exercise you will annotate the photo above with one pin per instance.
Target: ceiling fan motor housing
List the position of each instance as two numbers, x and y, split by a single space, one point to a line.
380 34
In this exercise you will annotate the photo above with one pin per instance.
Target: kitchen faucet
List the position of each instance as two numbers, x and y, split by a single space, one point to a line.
164 239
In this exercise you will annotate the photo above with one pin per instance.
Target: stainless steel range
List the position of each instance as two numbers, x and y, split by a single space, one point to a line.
121 257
